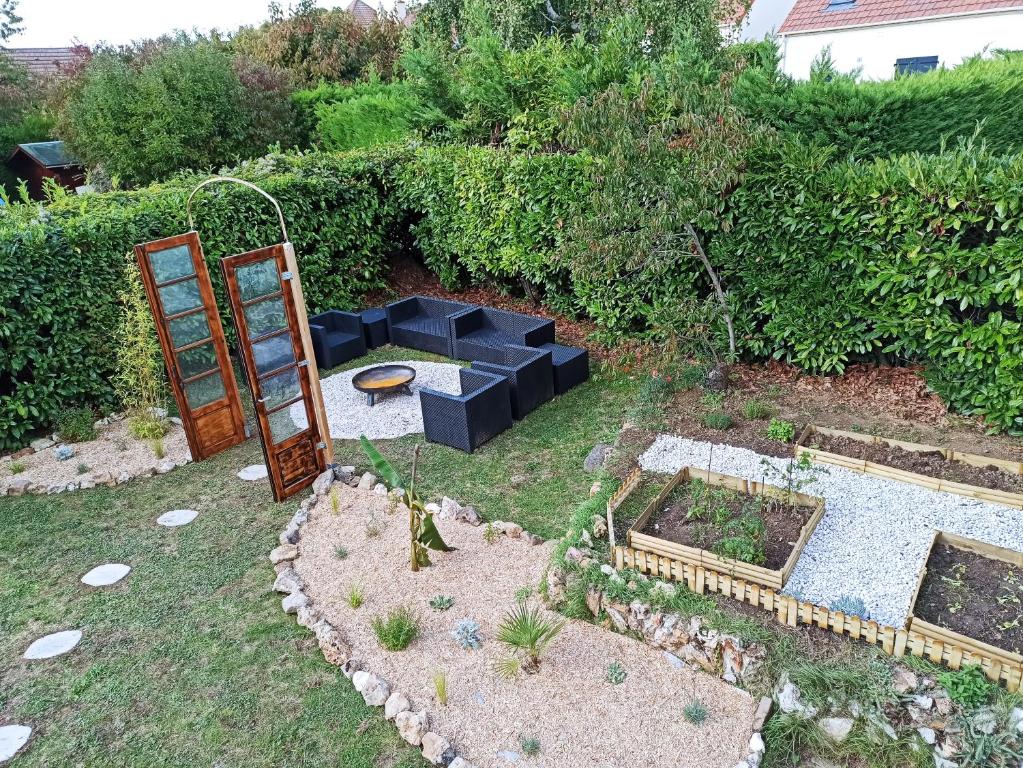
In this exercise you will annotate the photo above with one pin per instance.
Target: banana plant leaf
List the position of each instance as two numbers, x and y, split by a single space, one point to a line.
381 465
430 537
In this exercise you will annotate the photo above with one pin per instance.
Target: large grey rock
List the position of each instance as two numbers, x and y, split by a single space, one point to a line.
105 575
294 601
375 690
12 738
283 553
596 458
904 680
322 483
412 726
437 749
836 728
396 703
1016 719
288 581
367 482
56 644
41 444
985 721
460 762
344 474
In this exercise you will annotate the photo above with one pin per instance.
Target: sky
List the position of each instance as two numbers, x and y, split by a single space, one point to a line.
56 23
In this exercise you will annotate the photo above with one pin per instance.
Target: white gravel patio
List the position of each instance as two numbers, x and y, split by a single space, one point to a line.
875 533
393 415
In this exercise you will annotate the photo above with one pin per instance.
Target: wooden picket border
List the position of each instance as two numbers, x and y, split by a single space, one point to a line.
765 577
618 498
882 470
939 647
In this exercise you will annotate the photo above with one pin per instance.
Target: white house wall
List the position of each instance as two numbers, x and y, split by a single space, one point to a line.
874 49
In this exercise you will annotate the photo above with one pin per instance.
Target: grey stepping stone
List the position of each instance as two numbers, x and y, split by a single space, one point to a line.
53 645
12 738
254 472
105 575
177 517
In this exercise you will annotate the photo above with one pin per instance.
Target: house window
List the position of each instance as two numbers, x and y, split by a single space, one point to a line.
916 64
840 5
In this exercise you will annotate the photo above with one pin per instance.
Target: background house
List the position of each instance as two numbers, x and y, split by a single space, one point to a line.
42 62
884 37
45 160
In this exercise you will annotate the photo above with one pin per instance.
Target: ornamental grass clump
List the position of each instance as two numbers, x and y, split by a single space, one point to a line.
397 631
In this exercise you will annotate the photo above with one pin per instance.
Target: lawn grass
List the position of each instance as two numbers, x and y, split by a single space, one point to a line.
190 661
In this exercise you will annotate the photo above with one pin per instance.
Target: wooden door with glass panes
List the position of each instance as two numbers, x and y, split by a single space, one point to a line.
191 336
270 343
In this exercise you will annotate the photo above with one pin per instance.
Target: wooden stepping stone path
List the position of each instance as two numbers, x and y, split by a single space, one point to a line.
254 472
105 575
56 644
177 517
12 738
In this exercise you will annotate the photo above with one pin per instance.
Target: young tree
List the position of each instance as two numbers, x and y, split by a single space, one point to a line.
10 22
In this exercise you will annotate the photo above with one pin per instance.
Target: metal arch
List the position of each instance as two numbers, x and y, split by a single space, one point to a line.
250 185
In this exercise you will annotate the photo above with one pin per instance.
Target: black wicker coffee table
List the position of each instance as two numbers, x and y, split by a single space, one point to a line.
384 379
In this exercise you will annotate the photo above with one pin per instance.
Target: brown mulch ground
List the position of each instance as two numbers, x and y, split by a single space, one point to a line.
930 464
974 595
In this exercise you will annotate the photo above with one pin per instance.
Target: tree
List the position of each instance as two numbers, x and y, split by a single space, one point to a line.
10 22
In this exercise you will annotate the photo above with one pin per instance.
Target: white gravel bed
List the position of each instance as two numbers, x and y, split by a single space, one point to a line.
875 533
393 415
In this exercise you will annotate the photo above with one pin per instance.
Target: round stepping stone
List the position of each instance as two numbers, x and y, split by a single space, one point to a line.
53 645
177 517
105 575
253 472
12 738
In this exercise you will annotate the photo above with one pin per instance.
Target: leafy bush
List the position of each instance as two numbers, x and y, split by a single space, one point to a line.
782 430
398 630
716 420
75 425
968 687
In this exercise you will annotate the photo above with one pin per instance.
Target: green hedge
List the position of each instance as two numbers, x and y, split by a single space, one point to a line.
914 113
912 258
60 268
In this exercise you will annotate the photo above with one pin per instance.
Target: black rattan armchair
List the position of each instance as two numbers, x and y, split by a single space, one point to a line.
482 333
467 421
337 338
530 374
423 323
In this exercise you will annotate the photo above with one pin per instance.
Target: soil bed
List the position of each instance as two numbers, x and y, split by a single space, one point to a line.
717 515
977 596
931 464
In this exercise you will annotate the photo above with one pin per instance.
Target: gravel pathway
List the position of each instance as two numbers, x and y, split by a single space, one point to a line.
393 415
875 534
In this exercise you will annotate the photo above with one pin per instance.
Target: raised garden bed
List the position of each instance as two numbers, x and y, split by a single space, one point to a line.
970 597
680 526
941 469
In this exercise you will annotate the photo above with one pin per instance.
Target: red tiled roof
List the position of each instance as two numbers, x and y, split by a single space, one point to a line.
363 12
807 15
43 61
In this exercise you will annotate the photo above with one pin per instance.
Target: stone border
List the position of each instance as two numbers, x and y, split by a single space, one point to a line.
413 726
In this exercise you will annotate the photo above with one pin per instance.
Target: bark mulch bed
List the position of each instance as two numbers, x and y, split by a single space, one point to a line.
977 596
932 464
720 516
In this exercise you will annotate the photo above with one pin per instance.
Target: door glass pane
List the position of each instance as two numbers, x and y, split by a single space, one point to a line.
265 317
197 360
280 388
258 279
180 297
273 353
171 263
205 391
282 426
189 329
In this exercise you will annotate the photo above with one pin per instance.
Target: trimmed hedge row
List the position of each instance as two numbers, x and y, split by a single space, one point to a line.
912 258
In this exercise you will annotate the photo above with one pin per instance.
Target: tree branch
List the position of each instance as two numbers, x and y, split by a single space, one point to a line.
717 288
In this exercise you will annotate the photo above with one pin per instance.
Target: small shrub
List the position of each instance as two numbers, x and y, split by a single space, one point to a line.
528 634
355 597
490 534
83 469
968 687
146 426
530 746
692 376
340 552
440 687
695 712
441 602
17 467
755 410
467 634
782 430
398 630
716 420
158 448
75 425
616 673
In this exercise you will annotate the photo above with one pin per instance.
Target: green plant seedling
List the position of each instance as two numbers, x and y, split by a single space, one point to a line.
397 631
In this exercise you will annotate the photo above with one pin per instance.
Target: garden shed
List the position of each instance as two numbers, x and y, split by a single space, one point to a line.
45 160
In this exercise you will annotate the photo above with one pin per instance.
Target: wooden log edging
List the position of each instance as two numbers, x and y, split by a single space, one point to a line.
1006 498
915 641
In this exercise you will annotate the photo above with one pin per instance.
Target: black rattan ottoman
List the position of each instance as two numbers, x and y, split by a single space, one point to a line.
571 366
374 325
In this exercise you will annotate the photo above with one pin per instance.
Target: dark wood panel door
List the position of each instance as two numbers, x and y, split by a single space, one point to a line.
188 325
270 343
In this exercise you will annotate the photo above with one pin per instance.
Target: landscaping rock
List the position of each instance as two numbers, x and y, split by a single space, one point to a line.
176 518
344 474
595 488
380 489
412 726
19 486
460 762
790 701
836 728
294 601
12 738
985 721
756 744
53 645
396 703
290 535
307 616
599 527
288 581
928 735
596 458
41 444
763 712
253 472
532 538
283 553
367 482
105 575
449 508
716 379
573 555
322 483
437 749
905 681
375 690
64 452
350 668
1016 719
511 530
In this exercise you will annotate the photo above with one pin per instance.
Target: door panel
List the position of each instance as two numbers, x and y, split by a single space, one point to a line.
192 339
269 341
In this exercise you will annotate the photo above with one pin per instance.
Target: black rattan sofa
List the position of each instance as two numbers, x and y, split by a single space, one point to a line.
530 374
571 366
481 333
337 338
421 322
466 421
